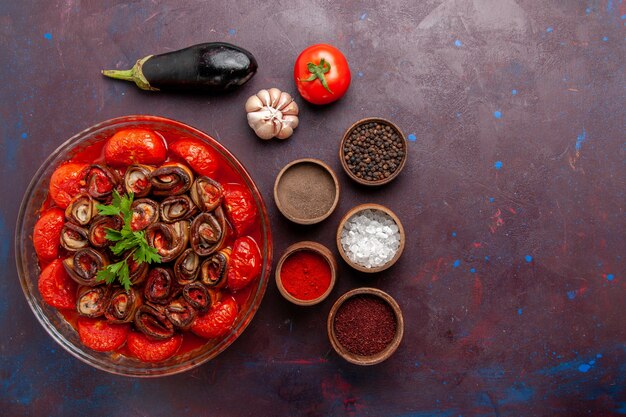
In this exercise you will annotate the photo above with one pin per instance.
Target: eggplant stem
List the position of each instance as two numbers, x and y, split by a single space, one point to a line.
135 74
127 75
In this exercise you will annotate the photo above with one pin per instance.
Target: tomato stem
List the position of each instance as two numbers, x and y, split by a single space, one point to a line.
317 72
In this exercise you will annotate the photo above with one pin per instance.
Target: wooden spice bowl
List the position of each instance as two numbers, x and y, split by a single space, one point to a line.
357 209
302 180
347 134
377 357
317 248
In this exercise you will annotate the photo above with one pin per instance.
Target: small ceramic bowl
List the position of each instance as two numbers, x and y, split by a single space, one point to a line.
377 357
358 209
312 247
306 191
347 134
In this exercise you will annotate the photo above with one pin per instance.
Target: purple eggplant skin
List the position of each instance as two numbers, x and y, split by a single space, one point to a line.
213 67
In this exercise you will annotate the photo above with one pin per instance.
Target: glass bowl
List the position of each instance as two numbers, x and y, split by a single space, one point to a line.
55 323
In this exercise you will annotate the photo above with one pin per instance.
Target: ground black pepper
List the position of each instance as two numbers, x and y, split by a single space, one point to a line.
307 191
365 325
373 151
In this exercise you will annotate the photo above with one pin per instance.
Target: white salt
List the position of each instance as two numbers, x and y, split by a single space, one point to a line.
370 238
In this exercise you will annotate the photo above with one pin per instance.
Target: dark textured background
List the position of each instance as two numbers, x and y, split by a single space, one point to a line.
513 279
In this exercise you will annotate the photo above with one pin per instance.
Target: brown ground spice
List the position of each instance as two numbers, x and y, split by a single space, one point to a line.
365 325
306 191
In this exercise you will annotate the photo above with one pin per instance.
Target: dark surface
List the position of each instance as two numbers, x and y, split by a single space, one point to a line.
512 283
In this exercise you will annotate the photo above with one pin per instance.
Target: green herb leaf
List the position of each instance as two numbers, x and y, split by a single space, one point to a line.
126 240
107 274
113 235
107 210
124 276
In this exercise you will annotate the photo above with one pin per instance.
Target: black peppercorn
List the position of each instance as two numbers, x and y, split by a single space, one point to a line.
374 151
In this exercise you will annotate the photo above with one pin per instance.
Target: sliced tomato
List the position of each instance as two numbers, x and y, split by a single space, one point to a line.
130 146
200 157
240 207
151 350
217 321
56 287
47 234
100 335
245 263
66 182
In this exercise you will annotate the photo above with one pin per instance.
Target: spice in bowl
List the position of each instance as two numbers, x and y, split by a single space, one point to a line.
306 191
305 275
365 326
373 151
370 238
306 272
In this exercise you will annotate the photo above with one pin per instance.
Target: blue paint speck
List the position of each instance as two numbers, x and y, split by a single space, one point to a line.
514 92
584 367
605 38
528 258
623 16
47 35
497 114
610 277
580 139
458 43
599 355
232 31
491 199
417 364
587 11
458 115
549 29
412 137
363 16
571 295
456 263
592 362
498 165
453 234
473 270
359 74
24 135
519 311
518 393
487 258
609 5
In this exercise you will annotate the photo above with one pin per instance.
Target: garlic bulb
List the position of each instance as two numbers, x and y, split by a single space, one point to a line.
272 113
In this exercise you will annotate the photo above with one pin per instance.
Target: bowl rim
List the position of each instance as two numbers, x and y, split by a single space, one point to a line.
150 370
370 206
303 246
373 183
325 167
377 357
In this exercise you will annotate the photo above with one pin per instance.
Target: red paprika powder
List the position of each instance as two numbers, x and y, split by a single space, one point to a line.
305 275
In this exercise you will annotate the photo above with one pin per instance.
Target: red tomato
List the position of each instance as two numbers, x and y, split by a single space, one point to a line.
240 207
245 263
56 287
319 64
200 157
47 234
217 321
67 181
130 146
152 350
100 335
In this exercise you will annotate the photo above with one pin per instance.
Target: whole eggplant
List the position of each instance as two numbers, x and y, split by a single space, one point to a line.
206 67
